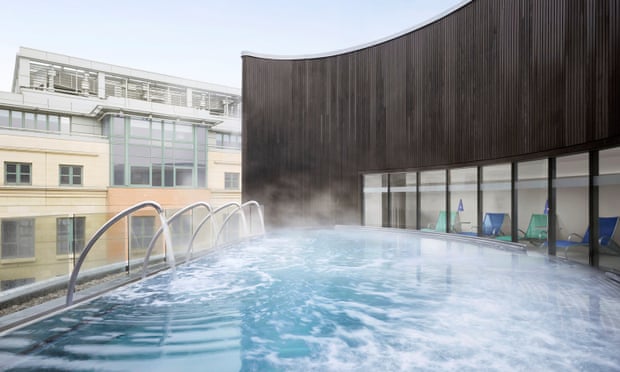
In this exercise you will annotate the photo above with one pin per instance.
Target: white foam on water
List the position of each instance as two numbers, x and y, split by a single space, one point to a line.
15 342
355 304
107 336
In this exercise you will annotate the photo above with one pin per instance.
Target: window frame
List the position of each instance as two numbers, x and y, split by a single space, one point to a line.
76 235
232 183
24 238
71 175
174 153
18 173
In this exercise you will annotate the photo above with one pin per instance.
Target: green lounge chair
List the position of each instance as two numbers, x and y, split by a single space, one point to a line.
440 225
536 230
491 225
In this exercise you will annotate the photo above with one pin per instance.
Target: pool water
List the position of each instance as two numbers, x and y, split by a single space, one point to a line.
341 299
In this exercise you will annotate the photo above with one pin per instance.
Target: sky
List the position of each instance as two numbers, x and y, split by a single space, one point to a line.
199 39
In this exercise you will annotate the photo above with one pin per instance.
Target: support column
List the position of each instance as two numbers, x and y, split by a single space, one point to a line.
418 198
593 212
551 218
514 212
448 209
480 203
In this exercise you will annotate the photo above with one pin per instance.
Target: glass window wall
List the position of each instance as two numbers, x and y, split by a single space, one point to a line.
608 183
572 189
396 200
375 198
151 152
464 198
496 201
433 200
532 186
403 200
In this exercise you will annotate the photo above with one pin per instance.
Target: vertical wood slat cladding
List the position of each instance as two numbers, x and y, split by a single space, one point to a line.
493 80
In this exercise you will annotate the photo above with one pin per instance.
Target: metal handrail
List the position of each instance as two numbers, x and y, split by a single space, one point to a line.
171 219
260 213
97 235
212 217
190 245
245 225
243 218
163 228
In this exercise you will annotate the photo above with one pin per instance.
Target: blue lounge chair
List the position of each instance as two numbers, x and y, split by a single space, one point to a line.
491 225
607 228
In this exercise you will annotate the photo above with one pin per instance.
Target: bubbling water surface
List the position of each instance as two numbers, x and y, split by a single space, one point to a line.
344 299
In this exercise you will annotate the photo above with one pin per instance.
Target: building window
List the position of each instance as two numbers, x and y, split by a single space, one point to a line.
140 175
5 285
18 238
231 181
70 175
155 152
29 120
183 176
228 140
142 231
4 118
33 121
16 119
17 173
70 232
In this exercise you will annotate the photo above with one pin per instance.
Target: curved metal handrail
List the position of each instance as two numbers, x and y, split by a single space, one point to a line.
243 218
171 219
245 225
222 207
190 245
97 235
164 228
260 213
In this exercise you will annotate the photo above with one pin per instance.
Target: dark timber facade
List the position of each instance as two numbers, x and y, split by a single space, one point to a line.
493 81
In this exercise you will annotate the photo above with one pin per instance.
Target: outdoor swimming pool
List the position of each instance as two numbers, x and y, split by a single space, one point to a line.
341 299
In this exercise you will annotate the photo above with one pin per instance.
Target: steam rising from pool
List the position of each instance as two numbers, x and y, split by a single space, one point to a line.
344 299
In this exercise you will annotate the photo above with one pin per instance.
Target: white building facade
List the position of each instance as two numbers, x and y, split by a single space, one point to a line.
81 140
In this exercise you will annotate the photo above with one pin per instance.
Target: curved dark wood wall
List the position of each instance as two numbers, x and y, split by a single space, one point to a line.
493 81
